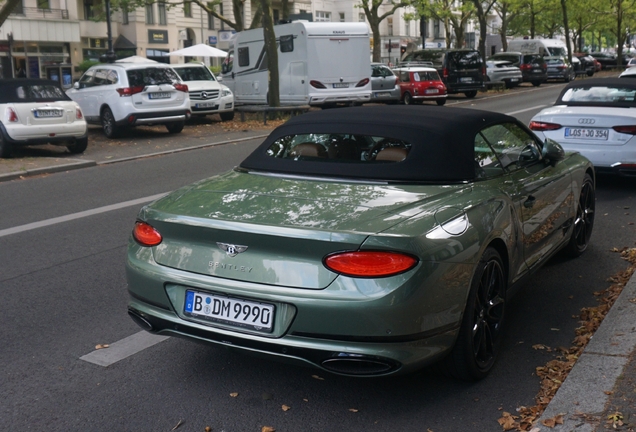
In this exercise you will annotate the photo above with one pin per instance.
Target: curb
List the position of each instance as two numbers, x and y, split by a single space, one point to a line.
594 375
90 163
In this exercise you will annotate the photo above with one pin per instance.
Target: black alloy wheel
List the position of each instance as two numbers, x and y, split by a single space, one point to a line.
480 334
470 94
111 130
584 219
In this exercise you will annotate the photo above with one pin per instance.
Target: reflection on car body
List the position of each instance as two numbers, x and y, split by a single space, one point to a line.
373 240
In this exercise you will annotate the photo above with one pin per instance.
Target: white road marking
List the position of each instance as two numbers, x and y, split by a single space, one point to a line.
79 215
124 348
526 109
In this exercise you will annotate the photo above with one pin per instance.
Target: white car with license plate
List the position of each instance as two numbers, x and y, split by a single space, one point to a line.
37 111
503 71
596 117
126 94
207 94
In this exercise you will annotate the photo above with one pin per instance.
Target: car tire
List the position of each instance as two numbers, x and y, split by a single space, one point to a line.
79 146
471 94
408 99
536 83
584 219
590 73
5 147
480 333
227 116
175 127
440 102
111 130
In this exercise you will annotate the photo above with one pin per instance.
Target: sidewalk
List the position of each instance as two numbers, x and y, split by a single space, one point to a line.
603 380
139 142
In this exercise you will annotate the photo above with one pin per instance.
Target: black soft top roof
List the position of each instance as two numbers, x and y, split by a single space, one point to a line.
442 142
620 83
9 91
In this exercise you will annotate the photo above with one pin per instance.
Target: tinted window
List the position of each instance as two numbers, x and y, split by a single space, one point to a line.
287 43
512 58
600 95
244 56
464 60
87 79
513 146
435 58
487 164
151 76
334 148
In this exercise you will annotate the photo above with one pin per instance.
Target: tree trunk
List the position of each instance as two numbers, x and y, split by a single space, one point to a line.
566 28
273 92
377 42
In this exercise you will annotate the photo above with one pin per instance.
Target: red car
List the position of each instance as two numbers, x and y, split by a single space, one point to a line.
418 84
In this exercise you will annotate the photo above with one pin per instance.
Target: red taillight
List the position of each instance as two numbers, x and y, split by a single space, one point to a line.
543 126
181 87
363 82
369 263
78 114
146 235
525 67
129 91
628 129
11 115
445 73
317 84
561 67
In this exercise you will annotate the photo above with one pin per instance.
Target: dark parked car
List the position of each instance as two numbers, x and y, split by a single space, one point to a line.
533 66
462 70
587 65
559 68
608 60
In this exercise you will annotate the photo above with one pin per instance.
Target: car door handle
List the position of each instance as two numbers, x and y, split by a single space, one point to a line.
529 202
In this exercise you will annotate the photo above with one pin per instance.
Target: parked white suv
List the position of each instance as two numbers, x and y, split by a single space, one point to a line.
120 95
207 95
36 111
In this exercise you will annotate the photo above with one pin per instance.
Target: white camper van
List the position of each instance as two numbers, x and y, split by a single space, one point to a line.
543 47
319 63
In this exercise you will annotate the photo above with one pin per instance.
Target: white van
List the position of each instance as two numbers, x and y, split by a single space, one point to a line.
543 47
319 63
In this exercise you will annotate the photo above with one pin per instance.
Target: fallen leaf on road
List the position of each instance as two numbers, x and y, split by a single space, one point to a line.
101 346
552 422
208 429
234 394
507 421
317 377
286 408
268 429
353 410
178 424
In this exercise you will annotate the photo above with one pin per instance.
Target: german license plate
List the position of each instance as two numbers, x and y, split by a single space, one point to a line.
514 79
231 311
48 113
466 79
537 71
159 95
341 85
206 105
382 94
587 133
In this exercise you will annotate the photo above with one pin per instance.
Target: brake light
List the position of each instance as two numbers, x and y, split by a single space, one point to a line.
78 114
483 71
627 129
317 84
525 67
543 126
370 263
363 82
445 72
181 87
146 235
129 91
11 115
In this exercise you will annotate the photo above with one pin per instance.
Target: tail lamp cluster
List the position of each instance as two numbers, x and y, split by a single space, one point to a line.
129 91
546 126
361 264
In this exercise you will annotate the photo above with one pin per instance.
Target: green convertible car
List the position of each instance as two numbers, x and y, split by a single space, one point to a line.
364 241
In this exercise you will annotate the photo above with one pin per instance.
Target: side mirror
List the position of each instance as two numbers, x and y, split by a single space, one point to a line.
224 68
76 85
552 152
219 78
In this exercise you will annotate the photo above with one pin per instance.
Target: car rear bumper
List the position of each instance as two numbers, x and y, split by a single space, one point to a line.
31 135
149 118
532 77
219 105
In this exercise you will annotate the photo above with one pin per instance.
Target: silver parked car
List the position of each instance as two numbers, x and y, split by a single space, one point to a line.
384 86
504 71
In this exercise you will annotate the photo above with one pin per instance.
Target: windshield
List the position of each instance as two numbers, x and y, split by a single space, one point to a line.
557 51
195 73
601 95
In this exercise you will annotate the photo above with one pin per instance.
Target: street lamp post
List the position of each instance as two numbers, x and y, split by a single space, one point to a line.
110 56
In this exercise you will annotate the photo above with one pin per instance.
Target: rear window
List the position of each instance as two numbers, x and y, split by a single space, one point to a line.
335 148
435 58
39 93
533 59
600 95
426 76
195 73
514 59
151 76
464 60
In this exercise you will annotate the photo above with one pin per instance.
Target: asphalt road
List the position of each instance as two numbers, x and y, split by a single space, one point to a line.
63 292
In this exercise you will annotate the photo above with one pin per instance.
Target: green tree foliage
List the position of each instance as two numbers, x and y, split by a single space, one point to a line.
454 19
372 11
